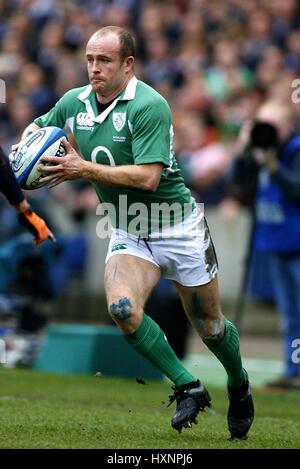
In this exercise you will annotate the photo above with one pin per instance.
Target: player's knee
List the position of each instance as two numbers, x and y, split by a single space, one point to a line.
121 310
213 333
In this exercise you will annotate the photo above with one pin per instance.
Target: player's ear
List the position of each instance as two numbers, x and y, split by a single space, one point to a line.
129 61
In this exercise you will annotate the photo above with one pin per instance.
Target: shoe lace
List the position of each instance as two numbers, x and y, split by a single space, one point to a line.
178 393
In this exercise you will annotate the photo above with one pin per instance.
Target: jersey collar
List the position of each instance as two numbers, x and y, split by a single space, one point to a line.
127 94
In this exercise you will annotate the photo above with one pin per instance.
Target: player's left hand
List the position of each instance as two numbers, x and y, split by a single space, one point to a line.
62 168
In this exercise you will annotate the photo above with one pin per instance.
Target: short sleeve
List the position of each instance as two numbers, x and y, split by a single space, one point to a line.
151 134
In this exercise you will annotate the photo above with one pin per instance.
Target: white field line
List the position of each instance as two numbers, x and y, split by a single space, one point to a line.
251 364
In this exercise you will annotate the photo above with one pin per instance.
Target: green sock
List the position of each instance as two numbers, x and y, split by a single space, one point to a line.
228 352
149 340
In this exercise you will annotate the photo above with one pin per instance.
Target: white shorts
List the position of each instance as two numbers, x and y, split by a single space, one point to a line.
189 259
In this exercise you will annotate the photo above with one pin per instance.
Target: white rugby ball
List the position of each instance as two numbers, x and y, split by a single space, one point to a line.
42 142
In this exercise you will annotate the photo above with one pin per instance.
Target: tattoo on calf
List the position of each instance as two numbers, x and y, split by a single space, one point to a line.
121 310
201 310
197 306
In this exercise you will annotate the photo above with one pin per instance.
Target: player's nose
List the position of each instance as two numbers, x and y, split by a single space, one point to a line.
95 68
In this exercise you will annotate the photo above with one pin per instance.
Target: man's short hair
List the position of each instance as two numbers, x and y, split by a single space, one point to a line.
127 41
276 109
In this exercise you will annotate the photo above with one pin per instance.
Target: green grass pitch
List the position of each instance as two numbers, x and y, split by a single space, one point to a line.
39 410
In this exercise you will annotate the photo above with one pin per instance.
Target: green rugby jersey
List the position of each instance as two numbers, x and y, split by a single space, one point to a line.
135 129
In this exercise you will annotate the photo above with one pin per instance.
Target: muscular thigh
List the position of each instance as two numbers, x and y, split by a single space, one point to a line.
129 281
202 305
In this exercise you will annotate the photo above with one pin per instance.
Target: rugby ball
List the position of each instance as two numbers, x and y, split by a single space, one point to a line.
42 142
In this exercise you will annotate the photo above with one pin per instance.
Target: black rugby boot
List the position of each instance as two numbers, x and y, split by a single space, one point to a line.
241 410
191 398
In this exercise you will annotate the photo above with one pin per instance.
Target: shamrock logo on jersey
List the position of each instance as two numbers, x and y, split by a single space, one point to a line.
119 119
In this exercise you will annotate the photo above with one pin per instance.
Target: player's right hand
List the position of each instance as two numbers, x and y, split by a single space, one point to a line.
36 225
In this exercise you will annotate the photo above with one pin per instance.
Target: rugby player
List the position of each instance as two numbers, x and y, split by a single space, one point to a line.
123 130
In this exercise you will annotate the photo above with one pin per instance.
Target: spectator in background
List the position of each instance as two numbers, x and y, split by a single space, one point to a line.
20 110
203 159
292 58
270 162
227 76
33 87
161 67
285 17
270 67
258 37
